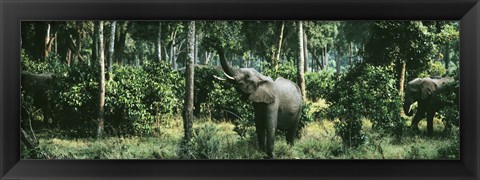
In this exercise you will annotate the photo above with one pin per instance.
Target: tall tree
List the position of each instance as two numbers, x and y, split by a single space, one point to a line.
121 38
305 51
189 85
159 42
94 55
101 83
280 42
111 48
301 60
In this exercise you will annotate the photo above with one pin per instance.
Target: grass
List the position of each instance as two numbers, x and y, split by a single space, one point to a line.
218 140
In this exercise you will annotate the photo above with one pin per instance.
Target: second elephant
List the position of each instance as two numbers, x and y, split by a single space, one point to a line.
425 91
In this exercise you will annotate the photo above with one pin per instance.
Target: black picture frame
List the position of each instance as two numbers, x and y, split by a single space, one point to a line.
14 11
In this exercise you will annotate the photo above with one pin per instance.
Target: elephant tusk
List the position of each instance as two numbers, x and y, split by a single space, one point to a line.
229 77
219 78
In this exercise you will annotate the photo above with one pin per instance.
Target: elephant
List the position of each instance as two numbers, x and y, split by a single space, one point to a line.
277 104
37 86
425 91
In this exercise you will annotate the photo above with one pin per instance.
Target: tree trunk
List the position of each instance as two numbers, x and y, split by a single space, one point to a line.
172 50
110 49
276 62
207 57
447 56
189 85
338 61
326 57
122 36
401 66
350 54
301 61
322 60
40 44
195 57
159 42
95 41
305 51
48 46
101 84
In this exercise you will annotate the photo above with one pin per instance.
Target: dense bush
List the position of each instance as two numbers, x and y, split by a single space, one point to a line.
435 68
136 97
365 92
225 104
449 100
72 93
319 84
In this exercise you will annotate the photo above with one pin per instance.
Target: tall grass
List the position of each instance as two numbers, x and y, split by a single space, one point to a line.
218 140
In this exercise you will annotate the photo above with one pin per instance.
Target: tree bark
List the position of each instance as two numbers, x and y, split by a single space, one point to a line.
111 48
301 61
122 36
305 51
401 77
189 85
338 61
159 41
48 46
95 41
40 44
280 40
101 84
326 57
447 56
172 50
350 54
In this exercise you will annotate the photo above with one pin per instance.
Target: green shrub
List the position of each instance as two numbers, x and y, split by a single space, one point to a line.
452 150
136 96
436 68
449 101
319 84
365 92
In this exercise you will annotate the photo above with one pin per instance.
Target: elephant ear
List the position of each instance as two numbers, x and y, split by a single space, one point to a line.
427 88
264 93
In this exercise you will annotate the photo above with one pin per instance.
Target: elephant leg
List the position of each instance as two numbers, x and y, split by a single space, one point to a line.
292 133
430 116
416 119
260 130
271 128
291 136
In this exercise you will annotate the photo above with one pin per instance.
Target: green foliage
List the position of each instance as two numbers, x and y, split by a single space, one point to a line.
204 85
225 34
287 71
398 42
136 97
435 68
319 84
365 92
452 150
449 100
226 104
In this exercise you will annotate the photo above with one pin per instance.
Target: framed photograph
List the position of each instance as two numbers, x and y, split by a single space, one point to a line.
239 89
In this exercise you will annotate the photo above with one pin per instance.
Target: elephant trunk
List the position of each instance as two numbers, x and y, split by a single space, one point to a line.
223 61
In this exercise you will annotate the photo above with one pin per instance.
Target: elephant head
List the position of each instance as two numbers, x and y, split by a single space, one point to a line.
418 90
249 82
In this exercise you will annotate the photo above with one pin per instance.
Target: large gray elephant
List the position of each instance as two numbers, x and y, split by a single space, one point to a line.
277 104
425 91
